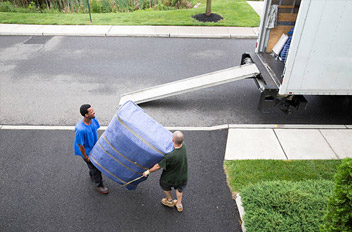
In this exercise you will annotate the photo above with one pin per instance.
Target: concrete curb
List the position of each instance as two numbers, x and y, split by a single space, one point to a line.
130 31
212 128
287 126
240 208
132 35
202 36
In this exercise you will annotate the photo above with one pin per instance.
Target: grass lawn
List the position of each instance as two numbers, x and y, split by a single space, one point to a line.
244 173
282 195
236 13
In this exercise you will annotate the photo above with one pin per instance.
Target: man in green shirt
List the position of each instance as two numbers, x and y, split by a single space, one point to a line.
175 172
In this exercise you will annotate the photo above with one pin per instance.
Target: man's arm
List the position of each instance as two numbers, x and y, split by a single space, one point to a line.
83 151
155 168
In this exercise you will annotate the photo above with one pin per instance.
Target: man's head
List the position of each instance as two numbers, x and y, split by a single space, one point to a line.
177 137
87 111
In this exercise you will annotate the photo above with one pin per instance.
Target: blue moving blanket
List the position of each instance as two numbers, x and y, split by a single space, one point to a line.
132 143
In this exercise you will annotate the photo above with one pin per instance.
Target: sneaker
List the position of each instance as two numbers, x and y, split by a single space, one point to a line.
103 190
167 203
91 178
179 208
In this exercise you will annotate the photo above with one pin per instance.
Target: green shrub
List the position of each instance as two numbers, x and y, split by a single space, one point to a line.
10 7
6 7
141 4
122 5
339 211
179 3
106 6
83 8
285 206
162 7
32 6
96 7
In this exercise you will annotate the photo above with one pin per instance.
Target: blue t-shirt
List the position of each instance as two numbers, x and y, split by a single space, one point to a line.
86 135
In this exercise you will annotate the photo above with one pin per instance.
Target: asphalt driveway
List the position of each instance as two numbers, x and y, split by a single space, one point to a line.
44 187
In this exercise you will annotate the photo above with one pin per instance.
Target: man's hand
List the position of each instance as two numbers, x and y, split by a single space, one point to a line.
83 151
156 167
146 173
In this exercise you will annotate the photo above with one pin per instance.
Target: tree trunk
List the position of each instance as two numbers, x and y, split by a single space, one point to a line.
208 11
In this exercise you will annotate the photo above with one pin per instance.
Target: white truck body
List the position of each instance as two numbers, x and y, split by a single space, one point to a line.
319 60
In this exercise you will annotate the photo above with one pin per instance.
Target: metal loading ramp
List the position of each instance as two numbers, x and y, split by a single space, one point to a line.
191 84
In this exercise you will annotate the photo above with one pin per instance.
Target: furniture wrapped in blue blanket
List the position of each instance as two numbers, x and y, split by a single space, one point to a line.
132 143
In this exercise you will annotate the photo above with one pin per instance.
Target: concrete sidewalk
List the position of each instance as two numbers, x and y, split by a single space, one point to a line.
257 6
137 31
289 142
141 31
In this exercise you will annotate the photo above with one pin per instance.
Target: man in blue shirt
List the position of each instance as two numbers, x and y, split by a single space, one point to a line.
85 139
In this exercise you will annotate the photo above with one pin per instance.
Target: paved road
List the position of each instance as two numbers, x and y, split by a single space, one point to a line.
44 187
45 79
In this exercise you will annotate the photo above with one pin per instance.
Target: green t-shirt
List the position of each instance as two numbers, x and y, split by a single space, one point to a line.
175 166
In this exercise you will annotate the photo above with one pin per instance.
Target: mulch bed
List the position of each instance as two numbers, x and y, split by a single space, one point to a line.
211 18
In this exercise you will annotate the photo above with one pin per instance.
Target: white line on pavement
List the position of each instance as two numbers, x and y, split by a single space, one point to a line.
102 128
20 127
211 128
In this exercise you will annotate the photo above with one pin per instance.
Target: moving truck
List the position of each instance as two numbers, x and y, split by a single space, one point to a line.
304 47
318 60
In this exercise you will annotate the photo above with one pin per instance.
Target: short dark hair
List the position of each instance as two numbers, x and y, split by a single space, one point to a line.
84 109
